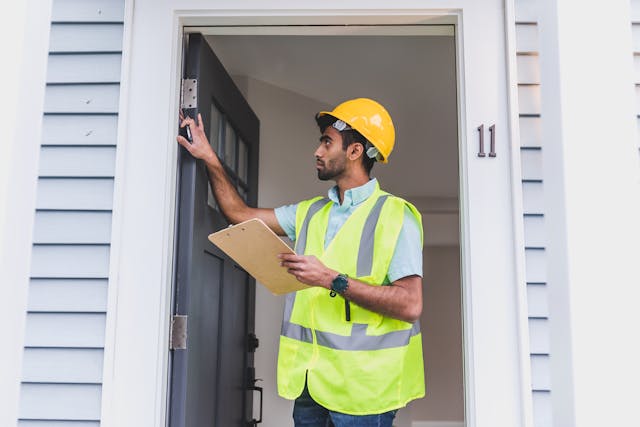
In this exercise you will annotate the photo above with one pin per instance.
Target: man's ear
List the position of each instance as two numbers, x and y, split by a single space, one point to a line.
355 150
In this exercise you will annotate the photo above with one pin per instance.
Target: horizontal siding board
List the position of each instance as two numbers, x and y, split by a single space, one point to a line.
85 98
530 131
72 227
68 295
542 413
534 231
77 161
635 32
539 336
538 300
60 401
87 10
62 365
533 200
527 38
65 330
636 69
85 38
529 99
67 300
540 372
70 261
531 162
536 265
635 10
93 68
49 423
528 69
79 130
526 11
60 193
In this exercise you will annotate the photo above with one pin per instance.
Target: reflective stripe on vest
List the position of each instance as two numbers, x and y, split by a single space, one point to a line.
357 341
301 241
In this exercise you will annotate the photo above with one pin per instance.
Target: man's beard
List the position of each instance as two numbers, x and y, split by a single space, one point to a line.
329 173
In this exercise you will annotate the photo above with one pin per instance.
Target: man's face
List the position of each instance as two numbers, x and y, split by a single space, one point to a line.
331 159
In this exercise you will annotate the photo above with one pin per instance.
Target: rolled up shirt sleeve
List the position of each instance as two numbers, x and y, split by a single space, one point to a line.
286 216
407 257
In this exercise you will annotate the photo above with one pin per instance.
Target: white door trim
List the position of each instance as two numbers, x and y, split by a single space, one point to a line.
518 217
25 39
136 349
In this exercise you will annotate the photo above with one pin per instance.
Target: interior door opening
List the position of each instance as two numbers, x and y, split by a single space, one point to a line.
286 79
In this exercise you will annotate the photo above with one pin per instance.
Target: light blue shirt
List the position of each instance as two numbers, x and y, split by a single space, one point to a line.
407 258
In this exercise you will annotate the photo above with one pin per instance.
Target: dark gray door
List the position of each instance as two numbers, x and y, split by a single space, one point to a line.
211 378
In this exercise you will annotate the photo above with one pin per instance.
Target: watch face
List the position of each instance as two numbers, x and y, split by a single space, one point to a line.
340 283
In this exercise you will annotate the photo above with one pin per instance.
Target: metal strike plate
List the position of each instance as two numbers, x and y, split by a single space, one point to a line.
178 336
189 93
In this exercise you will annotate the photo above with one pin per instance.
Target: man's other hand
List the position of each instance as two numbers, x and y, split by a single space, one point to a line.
199 147
308 269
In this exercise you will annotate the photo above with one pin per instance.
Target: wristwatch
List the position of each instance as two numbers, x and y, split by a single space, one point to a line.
340 284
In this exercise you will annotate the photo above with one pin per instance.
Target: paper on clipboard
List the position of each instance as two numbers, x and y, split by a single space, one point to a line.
255 247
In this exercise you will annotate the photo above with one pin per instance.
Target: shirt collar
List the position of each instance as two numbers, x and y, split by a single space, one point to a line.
353 196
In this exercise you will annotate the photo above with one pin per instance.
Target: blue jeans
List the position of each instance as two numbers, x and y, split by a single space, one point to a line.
307 413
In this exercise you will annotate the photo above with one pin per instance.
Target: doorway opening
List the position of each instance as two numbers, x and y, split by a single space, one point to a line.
288 76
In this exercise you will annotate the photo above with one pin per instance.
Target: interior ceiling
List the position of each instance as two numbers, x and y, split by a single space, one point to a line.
412 76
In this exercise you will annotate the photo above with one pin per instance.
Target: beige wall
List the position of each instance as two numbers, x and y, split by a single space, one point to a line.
442 337
288 136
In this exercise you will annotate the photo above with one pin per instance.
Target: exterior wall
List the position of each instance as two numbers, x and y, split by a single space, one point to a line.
67 293
635 33
591 189
531 154
67 297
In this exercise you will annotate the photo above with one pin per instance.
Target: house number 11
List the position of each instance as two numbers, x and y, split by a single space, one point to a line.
492 146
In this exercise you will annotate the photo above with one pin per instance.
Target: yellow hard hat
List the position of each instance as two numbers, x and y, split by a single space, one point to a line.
370 119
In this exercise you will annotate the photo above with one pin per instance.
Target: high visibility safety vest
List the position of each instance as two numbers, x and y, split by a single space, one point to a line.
372 363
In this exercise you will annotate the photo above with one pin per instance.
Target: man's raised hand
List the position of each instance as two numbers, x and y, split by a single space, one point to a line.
199 147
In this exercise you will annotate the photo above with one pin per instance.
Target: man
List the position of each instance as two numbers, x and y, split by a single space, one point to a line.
350 347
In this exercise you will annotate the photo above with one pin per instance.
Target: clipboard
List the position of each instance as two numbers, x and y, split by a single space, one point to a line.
255 247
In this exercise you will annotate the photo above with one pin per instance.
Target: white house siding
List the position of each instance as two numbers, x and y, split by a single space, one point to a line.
635 31
65 326
531 152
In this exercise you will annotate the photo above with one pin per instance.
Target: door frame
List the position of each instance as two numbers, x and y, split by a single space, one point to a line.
143 288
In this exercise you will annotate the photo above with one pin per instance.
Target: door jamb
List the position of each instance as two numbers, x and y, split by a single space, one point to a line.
182 19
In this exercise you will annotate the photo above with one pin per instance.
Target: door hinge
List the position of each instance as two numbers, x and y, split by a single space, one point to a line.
252 342
189 93
178 333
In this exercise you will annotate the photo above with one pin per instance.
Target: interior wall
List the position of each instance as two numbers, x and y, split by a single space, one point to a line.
441 325
288 136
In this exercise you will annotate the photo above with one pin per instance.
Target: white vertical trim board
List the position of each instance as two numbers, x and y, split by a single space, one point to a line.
65 318
520 68
24 36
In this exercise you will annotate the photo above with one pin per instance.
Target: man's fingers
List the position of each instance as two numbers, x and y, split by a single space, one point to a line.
200 125
290 257
184 142
187 121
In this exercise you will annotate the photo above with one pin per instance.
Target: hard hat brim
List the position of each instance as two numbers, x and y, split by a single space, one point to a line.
337 116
